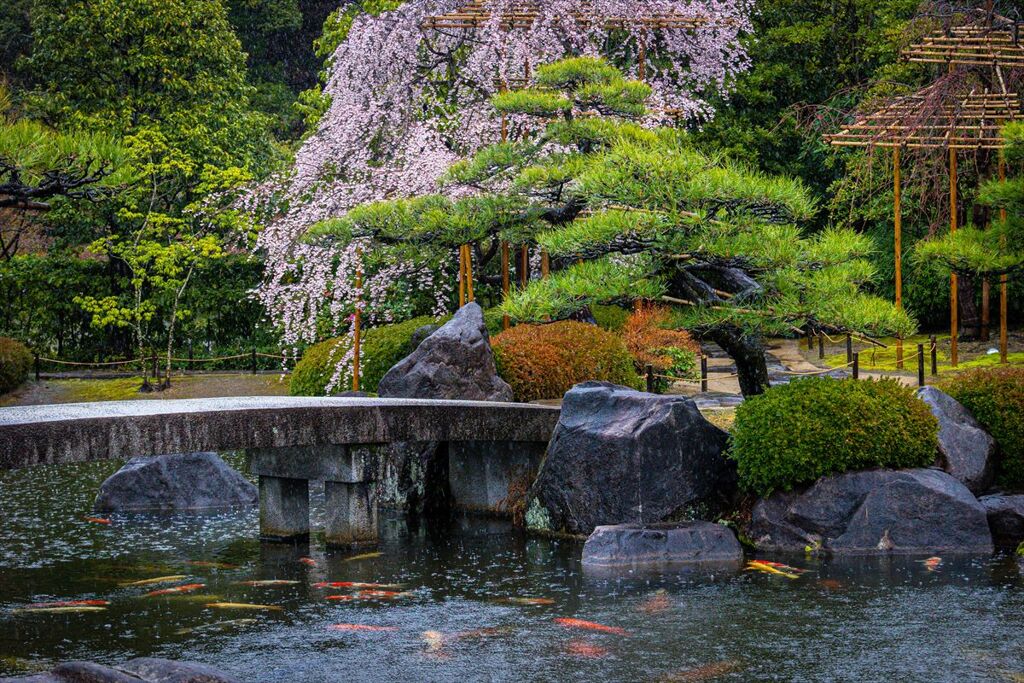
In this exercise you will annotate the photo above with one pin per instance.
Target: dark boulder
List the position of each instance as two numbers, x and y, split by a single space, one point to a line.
1005 519
182 481
420 334
143 670
620 456
455 362
691 543
878 511
967 451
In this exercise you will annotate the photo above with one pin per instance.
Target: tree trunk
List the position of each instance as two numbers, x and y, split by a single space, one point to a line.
748 352
970 316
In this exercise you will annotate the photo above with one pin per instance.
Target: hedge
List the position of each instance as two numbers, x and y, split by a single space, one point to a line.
652 341
797 432
545 361
15 363
995 396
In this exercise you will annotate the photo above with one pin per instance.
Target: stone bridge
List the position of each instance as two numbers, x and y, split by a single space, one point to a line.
293 440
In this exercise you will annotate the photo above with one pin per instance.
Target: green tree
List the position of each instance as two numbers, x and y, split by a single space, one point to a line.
630 214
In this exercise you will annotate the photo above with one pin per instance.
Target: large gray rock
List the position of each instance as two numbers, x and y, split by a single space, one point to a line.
620 456
1005 519
182 481
692 543
878 511
454 362
968 452
142 670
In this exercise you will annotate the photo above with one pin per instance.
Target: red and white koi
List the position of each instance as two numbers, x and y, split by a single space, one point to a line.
187 588
590 626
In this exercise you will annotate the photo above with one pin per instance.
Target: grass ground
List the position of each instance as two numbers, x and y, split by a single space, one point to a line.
127 389
972 354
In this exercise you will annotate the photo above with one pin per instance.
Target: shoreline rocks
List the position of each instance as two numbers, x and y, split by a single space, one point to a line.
1005 519
967 451
660 545
141 670
175 483
622 456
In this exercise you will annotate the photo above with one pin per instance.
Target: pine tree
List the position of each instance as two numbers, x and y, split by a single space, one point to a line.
629 213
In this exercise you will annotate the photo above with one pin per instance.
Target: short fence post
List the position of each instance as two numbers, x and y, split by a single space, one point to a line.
849 349
920 365
821 347
36 366
650 378
254 361
935 355
703 373
188 367
156 369
856 365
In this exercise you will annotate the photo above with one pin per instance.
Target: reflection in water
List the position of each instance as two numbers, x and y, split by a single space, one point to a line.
470 602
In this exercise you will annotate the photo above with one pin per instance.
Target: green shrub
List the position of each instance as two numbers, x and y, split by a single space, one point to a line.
795 433
15 363
611 318
545 361
995 396
381 348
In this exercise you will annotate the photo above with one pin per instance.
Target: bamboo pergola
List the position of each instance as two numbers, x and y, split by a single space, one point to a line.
937 117
521 15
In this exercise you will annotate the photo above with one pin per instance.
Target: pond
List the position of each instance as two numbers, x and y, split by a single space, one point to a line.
476 602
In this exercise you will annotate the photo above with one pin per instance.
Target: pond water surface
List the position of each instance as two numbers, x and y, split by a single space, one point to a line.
477 603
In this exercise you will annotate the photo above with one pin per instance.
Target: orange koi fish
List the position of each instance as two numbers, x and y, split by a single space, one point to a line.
159 579
355 584
341 598
590 626
68 603
187 588
98 520
308 561
768 569
581 648
779 565
385 595
361 627
267 582
528 601
243 605
932 563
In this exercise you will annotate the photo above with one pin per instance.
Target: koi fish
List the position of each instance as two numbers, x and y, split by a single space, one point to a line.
486 632
211 565
159 579
218 625
364 556
60 610
768 569
308 561
590 626
386 595
831 584
434 641
267 582
243 605
527 601
361 627
655 604
187 588
195 597
355 584
68 603
581 648
341 598
932 563
701 673
98 520
783 567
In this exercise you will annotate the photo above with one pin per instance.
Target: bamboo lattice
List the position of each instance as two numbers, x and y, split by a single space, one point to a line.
970 46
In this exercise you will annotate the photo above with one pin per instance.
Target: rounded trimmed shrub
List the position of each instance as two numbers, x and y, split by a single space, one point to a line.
15 363
995 396
610 317
795 433
545 361
381 348
652 341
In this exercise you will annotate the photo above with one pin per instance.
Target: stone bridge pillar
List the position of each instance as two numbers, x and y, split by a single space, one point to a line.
348 473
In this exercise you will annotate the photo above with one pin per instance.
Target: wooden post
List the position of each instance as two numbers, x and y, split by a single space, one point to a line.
357 324
954 303
821 346
504 281
462 275
935 355
1003 295
856 365
254 360
35 364
898 248
641 59
524 271
649 372
156 370
703 372
986 314
545 264
920 365
849 349
469 273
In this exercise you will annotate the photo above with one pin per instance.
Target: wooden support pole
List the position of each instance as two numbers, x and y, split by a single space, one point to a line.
462 275
954 302
35 365
545 264
821 346
856 365
935 355
357 324
469 273
504 280
642 59
1003 294
986 314
703 372
524 263
897 195
849 349
649 373
920 365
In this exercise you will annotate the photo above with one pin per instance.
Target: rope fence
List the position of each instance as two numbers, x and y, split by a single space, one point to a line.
155 362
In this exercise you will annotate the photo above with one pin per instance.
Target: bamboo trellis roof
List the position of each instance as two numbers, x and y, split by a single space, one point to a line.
971 45
971 121
476 14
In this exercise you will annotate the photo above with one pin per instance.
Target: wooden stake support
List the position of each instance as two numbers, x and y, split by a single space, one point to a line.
357 324
954 302
898 240
505 285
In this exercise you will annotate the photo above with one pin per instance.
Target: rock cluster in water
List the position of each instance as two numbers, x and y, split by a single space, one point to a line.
173 483
622 456
142 670
662 545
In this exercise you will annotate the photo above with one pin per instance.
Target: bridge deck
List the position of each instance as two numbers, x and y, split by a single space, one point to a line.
78 432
